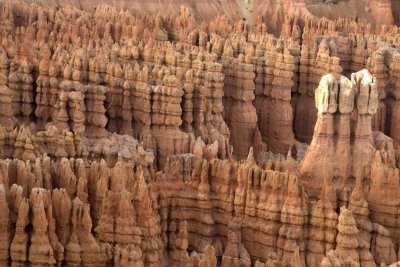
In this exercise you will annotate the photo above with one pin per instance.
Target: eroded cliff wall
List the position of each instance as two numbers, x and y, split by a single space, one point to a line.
164 140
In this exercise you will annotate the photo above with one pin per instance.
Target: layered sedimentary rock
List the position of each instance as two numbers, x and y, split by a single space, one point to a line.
235 253
152 140
96 119
283 214
5 228
323 226
274 85
166 119
315 62
6 116
20 81
343 127
241 115
114 80
46 90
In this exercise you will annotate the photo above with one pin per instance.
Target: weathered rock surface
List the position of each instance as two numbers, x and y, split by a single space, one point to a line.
174 139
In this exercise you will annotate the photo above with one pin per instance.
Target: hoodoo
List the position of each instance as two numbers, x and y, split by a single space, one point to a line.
200 133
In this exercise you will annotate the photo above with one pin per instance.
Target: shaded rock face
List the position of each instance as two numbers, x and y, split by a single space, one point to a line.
214 83
236 210
133 139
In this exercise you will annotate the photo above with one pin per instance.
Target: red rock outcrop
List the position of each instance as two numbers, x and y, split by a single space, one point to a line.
95 98
135 139
315 62
240 114
235 254
7 119
4 228
337 130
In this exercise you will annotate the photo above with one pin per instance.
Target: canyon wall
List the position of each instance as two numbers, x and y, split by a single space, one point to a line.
166 140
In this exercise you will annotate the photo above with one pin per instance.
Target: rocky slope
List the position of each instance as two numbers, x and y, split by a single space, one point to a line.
374 11
132 139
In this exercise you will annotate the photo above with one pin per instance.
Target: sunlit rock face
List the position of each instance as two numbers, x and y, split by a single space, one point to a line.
165 134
